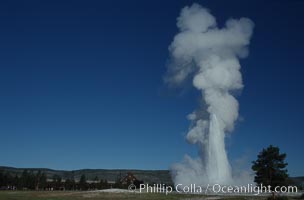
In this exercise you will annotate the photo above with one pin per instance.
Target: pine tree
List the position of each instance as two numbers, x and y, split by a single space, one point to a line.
24 179
43 181
83 182
270 167
1 178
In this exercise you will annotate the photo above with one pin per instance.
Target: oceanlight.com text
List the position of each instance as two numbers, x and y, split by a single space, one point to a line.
214 189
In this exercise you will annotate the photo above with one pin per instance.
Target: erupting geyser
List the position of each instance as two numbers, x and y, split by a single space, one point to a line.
210 57
217 165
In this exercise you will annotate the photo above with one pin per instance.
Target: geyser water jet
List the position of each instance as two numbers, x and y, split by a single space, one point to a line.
209 56
217 165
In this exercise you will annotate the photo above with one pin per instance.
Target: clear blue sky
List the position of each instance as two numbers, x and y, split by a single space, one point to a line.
81 84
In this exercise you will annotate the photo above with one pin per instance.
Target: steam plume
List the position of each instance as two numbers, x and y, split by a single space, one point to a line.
209 56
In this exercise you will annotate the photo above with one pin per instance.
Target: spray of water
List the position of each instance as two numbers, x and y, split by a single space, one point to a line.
209 56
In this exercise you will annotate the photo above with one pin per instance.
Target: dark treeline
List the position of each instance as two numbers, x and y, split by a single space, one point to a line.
39 181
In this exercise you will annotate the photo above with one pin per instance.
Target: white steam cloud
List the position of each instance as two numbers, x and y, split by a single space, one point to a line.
209 56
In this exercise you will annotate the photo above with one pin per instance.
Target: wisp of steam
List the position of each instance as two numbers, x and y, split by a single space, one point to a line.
209 56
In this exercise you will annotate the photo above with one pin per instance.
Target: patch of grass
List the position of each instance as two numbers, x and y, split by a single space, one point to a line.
56 195
93 195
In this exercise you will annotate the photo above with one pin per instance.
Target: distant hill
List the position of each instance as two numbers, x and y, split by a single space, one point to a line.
111 175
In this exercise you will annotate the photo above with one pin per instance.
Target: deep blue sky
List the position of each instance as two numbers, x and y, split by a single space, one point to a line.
81 84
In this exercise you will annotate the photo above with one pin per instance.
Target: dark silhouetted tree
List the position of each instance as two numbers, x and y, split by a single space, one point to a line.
31 181
42 181
56 183
270 167
27 180
23 179
6 180
83 182
37 180
68 184
1 178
